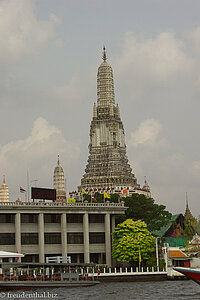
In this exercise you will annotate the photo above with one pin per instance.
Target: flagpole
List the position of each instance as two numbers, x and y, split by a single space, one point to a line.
139 259
28 191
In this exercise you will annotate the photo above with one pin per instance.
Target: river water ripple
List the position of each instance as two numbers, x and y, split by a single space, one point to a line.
118 291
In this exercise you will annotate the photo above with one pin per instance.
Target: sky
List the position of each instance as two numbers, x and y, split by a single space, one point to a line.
49 55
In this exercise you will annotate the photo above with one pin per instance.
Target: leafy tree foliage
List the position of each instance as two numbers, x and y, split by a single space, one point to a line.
145 209
129 237
190 223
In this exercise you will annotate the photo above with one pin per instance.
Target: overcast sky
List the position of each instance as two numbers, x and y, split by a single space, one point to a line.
49 54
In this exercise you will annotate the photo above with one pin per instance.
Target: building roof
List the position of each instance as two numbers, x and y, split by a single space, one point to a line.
164 228
177 254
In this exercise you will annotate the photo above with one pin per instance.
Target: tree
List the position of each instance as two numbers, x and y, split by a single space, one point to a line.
129 238
190 224
143 208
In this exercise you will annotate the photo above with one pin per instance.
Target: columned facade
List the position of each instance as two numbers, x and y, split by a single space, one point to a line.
40 230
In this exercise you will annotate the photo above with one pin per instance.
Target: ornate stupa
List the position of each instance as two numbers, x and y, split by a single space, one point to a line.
4 193
108 168
59 182
188 213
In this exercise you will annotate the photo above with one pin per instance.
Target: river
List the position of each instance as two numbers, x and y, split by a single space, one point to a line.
115 291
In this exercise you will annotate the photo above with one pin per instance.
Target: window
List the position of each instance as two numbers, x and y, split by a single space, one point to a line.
52 218
7 239
29 238
75 218
75 237
77 258
7 218
30 258
52 238
96 218
97 237
29 218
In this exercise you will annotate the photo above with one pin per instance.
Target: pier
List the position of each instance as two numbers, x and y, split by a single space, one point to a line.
129 274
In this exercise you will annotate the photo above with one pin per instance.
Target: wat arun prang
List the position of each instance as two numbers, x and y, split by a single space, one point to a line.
108 168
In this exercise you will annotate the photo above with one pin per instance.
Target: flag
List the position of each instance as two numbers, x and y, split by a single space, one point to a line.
94 199
84 192
124 191
71 200
106 195
140 258
22 190
17 257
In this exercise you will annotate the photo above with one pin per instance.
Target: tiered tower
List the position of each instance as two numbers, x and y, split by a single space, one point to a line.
188 213
4 193
108 168
59 182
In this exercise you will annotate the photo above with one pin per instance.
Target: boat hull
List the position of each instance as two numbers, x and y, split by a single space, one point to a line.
190 273
43 284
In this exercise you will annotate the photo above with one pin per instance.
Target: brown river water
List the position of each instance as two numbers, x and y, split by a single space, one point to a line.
114 291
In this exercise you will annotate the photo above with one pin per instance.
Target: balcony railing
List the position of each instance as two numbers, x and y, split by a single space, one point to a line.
61 204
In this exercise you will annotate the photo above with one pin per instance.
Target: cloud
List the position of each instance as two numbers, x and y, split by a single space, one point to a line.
162 56
196 165
147 133
149 64
193 37
69 93
21 32
38 154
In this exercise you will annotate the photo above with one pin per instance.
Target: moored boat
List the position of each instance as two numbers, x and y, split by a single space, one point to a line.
193 274
36 275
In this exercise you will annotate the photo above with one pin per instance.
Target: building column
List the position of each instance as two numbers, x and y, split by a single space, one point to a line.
86 238
108 240
112 230
18 233
112 224
64 234
41 237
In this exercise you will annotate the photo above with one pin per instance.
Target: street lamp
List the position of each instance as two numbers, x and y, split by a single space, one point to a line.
157 260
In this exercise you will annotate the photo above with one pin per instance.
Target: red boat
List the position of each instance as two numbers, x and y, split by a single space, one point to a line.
193 274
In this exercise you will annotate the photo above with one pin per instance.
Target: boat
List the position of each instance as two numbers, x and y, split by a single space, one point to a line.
193 274
36 275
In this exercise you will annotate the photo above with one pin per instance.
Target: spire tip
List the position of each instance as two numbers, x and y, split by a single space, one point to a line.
104 54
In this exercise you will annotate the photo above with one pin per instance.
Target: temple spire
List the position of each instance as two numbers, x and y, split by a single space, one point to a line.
58 160
4 179
104 54
188 213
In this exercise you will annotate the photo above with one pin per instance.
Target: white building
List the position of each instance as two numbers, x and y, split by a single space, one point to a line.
79 230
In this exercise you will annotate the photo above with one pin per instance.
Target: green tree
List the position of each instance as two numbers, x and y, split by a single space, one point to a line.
129 238
190 223
145 209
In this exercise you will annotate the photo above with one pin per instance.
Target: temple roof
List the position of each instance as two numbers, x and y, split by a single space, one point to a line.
177 254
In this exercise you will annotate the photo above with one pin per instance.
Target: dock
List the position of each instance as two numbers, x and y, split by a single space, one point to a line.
130 274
